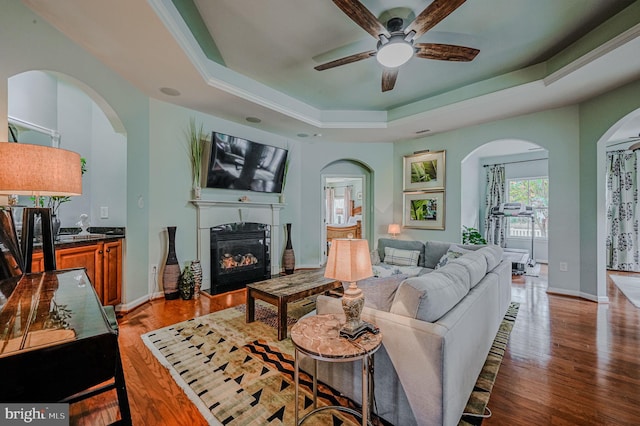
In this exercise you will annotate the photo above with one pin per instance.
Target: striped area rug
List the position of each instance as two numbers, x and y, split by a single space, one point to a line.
239 374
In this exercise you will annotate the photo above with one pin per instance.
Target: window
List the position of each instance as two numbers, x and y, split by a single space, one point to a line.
532 192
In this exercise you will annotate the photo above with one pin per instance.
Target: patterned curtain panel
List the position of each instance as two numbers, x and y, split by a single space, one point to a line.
622 208
348 212
494 226
329 195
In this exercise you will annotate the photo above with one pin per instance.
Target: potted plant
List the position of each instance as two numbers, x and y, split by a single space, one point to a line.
472 236
195 144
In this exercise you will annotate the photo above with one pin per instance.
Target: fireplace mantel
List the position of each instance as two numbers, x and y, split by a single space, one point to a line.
214 213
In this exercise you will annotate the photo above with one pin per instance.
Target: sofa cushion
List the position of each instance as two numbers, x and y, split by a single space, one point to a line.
379 292
476 265
394 256
493 255
429 297
434 250
403 245
453 252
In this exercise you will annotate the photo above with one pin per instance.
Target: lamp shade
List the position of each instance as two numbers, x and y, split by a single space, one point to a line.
348 260
394 228
27 169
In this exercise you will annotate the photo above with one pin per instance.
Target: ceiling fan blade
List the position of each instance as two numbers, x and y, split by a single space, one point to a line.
445 52
362 16
389 76
346 60
434 13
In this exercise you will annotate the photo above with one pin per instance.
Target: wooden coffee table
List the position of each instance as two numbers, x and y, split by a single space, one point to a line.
288 288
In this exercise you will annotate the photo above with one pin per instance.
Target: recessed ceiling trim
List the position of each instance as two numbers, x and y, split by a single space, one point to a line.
600 51
239 85
518 92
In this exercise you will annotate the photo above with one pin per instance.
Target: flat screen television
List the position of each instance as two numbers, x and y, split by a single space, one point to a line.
236 163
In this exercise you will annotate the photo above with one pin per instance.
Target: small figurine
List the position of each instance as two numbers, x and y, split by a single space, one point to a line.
83 224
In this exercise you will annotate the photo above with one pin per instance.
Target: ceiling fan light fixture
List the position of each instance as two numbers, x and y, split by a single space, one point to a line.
397 51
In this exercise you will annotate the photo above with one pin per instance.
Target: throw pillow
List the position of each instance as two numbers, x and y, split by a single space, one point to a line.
400 257
375 258
379 292
383 270
453 252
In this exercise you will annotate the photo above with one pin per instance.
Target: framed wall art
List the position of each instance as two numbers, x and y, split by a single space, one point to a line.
424 171
424 210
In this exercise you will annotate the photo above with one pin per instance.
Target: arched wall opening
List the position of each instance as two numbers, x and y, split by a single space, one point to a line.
42 102
620 136
524 162
355 179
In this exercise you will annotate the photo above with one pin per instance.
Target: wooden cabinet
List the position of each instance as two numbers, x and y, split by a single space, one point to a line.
112 273
89 257
101 259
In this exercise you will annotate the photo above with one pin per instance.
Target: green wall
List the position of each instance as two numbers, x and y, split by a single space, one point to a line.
600 117
29 43
555 130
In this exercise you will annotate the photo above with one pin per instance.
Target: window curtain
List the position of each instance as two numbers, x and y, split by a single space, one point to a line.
329 196
622 208
494 225
348 211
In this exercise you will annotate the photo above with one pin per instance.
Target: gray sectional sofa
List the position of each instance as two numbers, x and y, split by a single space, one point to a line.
438 326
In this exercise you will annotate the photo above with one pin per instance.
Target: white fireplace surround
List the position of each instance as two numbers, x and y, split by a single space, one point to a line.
215 213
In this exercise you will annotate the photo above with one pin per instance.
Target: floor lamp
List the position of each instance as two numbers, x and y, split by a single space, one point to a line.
38 171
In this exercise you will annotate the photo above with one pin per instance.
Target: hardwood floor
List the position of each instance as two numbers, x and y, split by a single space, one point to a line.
569 362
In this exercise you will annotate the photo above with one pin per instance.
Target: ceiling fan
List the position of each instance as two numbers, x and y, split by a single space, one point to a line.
397 45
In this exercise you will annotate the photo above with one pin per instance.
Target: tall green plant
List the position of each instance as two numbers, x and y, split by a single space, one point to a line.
195 144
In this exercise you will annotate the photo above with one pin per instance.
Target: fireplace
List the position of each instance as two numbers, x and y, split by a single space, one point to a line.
239 255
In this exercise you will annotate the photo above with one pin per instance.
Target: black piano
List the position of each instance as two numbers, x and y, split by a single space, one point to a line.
57 343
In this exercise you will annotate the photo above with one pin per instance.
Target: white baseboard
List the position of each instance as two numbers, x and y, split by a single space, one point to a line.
126 307
580 294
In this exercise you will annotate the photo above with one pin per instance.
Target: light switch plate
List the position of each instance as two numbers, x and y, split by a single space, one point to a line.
104 212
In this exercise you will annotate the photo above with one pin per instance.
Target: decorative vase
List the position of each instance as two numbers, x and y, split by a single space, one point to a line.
196 270
55 226
186 283
171 274
289 257
197 192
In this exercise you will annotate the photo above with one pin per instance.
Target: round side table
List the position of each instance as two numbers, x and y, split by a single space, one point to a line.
318 337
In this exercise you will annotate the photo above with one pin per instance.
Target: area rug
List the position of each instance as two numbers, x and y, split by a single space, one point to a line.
239 374
629 286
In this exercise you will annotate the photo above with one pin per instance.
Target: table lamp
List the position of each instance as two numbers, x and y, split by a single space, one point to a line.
394 229
37 171
349 260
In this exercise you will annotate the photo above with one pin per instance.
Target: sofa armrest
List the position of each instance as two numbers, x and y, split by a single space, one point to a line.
415 349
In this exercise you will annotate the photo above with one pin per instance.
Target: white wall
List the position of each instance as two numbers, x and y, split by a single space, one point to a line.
33 97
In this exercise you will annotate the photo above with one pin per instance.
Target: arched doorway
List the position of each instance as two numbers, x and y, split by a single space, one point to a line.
616 144
524 166
346 202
